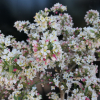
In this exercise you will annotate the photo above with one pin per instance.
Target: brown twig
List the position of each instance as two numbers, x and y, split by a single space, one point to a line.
72 67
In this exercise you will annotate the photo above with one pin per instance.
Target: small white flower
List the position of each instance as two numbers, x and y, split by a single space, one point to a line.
62 87
52 87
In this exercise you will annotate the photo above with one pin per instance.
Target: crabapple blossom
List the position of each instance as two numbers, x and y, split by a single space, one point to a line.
71 58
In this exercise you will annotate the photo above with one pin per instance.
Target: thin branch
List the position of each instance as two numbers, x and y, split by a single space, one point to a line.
72 67
41 83
61 76
98 59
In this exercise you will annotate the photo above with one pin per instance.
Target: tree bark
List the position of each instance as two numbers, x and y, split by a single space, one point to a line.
62 94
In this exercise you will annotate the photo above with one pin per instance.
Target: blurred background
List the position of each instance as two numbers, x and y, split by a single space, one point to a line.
13 10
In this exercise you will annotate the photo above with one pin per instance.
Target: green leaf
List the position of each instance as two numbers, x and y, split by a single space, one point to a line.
5 62
50 46
92 31
40 12
15 57
10 68
66 32
18 98
15 98
75 85
86 90
81 89
99 55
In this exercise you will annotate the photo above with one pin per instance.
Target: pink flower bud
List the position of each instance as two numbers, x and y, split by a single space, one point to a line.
56 12
83 80
86 40
37 93
15 60
93 86
0 61
45 63
47 40
44 59
15 70
35 50
19 77
46 9
77 46
37 59
49 97
5 95
89 44
72 37
87 98
60 14
99 93
54 55
49 23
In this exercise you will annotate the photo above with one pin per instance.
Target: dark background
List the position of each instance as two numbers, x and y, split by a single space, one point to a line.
13 10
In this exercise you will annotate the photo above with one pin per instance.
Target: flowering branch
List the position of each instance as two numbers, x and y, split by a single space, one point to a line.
19 67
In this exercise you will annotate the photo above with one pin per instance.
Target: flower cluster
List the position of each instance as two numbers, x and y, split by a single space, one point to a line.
48 48
33 95
58 7
91 16
21 26
23 65
52 95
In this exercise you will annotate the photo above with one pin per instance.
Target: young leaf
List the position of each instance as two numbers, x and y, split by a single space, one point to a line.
15 98
10 68
18 98
86 90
